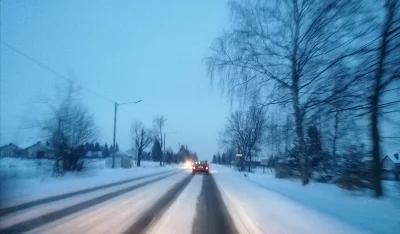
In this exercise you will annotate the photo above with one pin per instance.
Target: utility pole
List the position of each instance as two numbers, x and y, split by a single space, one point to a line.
164 149
115 130
115 127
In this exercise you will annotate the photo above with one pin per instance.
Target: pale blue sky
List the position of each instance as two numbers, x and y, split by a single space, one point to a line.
124 50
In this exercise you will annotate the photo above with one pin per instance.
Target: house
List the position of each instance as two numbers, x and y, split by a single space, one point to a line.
390 163
37 150
391 167
10 150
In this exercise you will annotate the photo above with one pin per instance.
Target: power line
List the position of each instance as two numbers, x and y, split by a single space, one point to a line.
51 70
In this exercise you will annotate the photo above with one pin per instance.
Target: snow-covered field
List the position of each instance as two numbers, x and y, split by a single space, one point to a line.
264 204
27 180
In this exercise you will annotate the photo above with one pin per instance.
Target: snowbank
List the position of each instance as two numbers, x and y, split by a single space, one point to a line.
360 211
14 168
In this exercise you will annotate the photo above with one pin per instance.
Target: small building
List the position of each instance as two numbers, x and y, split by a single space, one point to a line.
391 167
390 162
37 150
10 150
121 160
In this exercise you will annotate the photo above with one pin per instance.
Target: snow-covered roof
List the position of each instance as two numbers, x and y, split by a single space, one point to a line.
391 157
12 146
41 145
122 154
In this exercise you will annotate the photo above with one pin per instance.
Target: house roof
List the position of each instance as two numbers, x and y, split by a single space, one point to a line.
12 146
121 154
391 157
41 145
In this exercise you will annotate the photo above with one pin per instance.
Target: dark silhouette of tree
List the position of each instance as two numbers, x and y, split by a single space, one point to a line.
314 146
245 131
70 126
156 151
141 139
214 160
97 147
169 156
106 151
159 122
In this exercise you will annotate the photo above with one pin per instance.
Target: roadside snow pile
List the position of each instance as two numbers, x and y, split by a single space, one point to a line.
27 180
145 164
11 168
359 209
24 168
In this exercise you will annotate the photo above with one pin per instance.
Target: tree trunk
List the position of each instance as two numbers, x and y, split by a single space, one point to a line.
249 163
335 135
296 102
376 164
287 143
139 158
300 146
375 99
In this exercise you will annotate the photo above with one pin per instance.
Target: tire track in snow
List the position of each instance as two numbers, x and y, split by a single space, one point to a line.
23 206
113 216
212 216
53 216
143 223
178 218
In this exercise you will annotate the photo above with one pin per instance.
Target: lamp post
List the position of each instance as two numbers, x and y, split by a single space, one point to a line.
115 126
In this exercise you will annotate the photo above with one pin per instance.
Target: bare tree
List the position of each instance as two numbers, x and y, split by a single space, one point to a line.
70 126
387 72
245 131
284 51
141 139
159 122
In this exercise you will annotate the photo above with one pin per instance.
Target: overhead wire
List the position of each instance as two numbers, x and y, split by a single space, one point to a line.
51 70
54 72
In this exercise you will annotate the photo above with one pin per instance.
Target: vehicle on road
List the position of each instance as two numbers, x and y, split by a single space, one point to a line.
200 166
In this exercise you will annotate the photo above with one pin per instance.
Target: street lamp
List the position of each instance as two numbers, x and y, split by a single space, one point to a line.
115 125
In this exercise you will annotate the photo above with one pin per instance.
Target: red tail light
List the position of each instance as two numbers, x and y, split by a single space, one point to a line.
206 168
194 167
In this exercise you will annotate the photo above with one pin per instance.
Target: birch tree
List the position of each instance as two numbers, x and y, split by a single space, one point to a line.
284 52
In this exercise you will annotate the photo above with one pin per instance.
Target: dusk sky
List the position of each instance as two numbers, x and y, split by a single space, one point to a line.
123 50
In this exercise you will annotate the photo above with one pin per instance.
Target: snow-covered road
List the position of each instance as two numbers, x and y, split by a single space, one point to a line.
178 203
